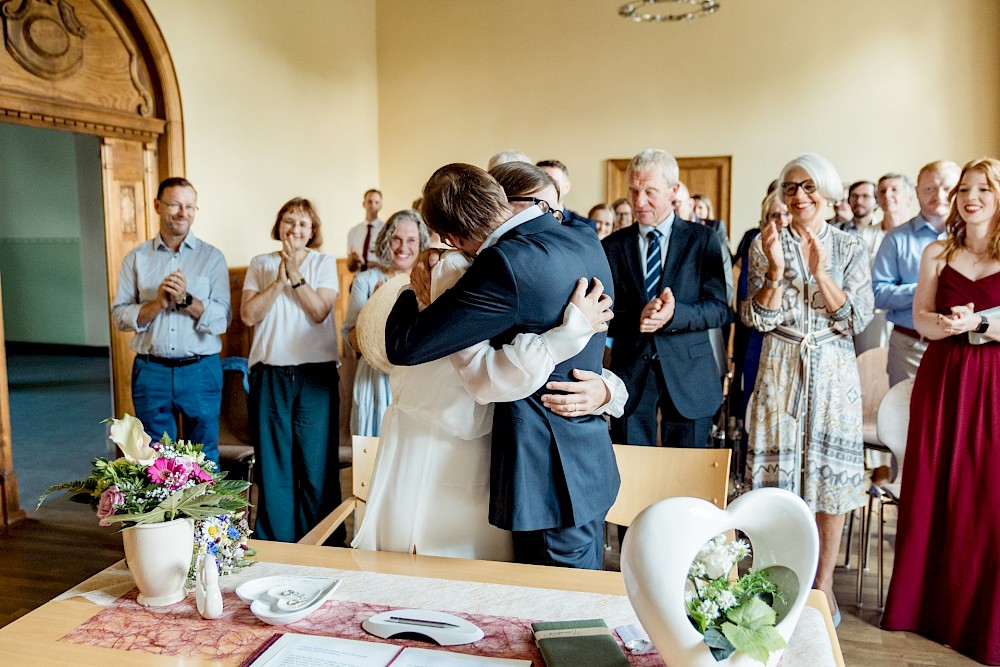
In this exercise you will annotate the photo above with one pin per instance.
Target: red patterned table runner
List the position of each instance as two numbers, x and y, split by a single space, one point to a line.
179 630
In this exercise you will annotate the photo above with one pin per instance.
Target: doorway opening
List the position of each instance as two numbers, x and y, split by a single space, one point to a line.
54 289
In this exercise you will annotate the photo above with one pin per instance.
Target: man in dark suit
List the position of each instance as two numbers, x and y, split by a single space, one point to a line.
557 170
670 286
552 478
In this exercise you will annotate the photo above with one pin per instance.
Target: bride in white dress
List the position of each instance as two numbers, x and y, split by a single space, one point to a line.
430 487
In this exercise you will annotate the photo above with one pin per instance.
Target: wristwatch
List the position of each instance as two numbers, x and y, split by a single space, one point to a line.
773 284
984 324
299 284
188 300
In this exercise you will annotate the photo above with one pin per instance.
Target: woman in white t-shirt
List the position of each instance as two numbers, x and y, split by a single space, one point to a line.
288 298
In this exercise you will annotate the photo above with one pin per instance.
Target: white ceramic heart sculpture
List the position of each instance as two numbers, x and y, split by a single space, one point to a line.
665 538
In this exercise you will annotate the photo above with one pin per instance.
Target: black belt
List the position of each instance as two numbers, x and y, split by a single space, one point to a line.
172 363
907 332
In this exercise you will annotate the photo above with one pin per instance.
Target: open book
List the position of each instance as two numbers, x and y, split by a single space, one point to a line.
294 650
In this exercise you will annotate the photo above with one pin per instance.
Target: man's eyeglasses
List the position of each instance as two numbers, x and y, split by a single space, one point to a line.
541 203
789 187
176 207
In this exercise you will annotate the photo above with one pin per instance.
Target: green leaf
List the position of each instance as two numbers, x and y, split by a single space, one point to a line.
751 630
754 613
720 647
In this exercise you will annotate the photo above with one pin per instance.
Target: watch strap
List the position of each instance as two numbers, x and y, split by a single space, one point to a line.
984 324
299 284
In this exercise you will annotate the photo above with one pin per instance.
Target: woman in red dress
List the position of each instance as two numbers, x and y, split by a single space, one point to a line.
946 579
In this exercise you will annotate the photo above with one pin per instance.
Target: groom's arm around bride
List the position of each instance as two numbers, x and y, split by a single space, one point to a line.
552 478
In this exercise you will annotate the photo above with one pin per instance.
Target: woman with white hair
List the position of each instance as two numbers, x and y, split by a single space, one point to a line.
809 290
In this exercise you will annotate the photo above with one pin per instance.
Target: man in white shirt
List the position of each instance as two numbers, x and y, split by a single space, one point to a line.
361 237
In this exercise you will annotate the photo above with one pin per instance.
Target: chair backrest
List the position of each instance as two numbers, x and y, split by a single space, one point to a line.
874 385
650 474
234 419
894 422
365 448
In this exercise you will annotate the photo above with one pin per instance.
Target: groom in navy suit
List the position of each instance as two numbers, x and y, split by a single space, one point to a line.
552 478
671 289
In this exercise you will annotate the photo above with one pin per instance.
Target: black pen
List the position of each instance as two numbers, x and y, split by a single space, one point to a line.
420 621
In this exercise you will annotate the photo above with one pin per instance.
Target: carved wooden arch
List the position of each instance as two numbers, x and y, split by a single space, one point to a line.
99 67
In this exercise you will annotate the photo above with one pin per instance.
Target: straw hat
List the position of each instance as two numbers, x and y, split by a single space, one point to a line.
370 328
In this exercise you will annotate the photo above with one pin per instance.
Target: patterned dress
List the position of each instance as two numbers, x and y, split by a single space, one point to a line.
805 417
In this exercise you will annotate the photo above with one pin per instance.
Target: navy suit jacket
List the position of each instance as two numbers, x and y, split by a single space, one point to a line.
693 271
547 471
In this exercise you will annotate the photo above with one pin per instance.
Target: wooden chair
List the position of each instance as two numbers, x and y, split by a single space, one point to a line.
650 474
365 448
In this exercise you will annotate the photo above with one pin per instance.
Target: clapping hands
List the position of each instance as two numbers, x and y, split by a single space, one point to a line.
962 319
657 312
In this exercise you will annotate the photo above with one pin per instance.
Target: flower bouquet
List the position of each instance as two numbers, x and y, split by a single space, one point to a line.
157 491
732 615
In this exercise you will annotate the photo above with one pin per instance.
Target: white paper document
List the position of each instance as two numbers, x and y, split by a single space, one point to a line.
293 650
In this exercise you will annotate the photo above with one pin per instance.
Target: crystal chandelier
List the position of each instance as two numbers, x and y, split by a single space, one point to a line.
698 9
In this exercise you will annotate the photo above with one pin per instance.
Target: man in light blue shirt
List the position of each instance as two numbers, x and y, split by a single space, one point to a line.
173 292
897 265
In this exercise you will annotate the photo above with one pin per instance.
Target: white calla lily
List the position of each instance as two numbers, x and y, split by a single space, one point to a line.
128 434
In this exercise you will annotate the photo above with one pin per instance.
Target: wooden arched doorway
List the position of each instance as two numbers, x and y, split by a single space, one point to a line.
98 67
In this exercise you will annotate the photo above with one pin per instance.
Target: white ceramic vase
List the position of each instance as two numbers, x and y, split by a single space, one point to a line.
665 538
159 556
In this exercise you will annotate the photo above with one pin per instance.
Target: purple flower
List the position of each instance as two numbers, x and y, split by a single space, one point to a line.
111 499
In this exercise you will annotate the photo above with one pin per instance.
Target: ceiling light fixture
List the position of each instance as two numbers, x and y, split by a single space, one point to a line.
699 9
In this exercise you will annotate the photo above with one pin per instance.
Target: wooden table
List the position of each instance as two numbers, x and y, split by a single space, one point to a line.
34 638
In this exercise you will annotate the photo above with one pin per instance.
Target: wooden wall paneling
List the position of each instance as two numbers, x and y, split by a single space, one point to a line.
129 220
9 500
236 341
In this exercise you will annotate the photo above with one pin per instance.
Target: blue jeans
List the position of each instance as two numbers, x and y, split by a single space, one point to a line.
161 394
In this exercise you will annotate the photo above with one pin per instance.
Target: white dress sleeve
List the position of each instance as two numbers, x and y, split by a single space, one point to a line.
522 366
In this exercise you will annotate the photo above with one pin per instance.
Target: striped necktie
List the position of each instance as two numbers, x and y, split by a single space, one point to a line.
652 264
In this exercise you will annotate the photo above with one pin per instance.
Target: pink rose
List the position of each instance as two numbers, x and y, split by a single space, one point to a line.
111 499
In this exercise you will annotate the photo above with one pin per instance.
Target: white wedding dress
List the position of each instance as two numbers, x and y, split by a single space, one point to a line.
430 489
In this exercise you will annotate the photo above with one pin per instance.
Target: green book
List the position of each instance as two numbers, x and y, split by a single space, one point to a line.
578 644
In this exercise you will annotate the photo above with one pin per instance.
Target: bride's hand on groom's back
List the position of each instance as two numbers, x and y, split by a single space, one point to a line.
593 303
582 397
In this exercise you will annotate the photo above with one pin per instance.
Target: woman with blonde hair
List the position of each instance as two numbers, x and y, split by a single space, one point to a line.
945 582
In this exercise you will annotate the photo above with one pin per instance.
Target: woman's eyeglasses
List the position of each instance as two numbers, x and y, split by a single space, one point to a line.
789 187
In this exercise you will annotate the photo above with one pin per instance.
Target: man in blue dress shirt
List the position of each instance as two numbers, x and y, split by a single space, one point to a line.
897 265
173 292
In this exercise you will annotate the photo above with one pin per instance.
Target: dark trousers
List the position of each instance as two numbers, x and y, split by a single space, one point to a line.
581 547
161 393
639 427
294 425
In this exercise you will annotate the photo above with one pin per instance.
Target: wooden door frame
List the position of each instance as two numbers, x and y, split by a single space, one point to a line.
615 184
161 125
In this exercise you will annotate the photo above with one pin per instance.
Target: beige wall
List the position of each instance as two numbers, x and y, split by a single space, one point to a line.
874 86
279 99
